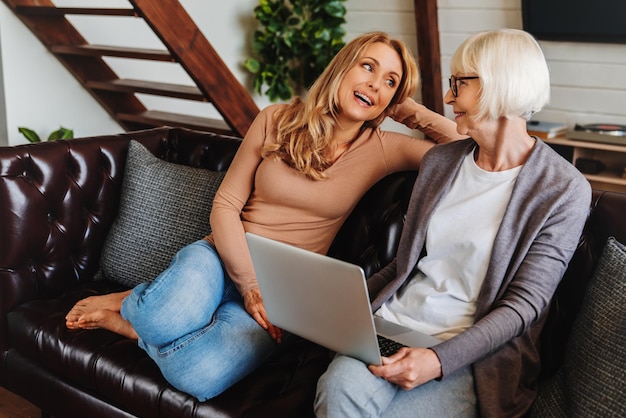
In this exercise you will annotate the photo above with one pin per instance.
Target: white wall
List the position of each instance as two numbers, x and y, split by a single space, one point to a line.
4 140
588 79
39 92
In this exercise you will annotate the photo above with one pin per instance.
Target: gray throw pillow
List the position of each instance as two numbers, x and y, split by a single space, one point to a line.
592 380
163 207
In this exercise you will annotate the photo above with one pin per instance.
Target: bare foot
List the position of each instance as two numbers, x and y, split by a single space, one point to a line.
109 320
111 302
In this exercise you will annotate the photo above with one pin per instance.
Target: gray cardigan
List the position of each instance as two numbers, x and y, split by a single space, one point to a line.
537 237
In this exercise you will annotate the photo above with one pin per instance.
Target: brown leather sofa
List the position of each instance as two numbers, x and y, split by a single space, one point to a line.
59 199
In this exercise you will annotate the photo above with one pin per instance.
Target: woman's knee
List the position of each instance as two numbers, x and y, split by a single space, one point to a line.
194 269
208 362
198 257
339 373
343 388
182 298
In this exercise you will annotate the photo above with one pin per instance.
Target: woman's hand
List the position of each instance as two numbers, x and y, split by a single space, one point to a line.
406 113
433 125
409 367
253 302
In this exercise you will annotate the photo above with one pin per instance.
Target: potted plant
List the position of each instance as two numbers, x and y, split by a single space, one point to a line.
32 136
298 40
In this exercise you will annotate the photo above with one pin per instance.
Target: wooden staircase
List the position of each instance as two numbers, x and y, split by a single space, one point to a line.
184 45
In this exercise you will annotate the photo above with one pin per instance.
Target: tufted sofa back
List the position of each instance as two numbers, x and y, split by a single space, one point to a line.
371 234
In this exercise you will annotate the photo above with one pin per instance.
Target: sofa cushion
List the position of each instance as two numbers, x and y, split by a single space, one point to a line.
592 381
163 207
70 364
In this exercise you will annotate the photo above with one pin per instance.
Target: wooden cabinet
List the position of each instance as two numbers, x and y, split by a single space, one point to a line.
613 157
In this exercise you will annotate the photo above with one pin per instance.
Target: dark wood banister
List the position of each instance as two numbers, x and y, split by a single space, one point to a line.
191 49
56 30
184 44
429 55
183 39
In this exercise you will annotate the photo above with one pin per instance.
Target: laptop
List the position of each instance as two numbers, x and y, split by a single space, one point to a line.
324 300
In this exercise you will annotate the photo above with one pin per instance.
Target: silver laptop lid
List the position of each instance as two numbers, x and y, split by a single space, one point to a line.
317 297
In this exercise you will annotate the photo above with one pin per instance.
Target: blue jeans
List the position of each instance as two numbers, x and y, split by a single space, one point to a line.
349 389
191 321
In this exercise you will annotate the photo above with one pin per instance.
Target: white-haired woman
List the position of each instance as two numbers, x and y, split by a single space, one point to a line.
492 224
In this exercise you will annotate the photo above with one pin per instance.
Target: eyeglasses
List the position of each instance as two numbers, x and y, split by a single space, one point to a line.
454 86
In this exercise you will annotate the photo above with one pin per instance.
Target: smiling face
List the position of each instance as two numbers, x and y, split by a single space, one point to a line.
466 104
369 86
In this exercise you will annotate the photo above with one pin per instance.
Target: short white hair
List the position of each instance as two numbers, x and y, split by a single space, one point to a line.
514 76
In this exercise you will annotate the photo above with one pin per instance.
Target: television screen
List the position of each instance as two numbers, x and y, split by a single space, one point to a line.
576 20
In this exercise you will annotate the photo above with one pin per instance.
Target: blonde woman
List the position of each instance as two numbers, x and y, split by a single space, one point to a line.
298 173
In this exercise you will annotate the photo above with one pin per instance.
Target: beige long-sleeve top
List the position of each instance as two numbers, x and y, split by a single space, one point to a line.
269 198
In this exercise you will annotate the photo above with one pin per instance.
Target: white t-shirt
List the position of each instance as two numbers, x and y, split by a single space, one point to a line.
440 299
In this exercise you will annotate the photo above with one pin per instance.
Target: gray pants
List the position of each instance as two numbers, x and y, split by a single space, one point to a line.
348 389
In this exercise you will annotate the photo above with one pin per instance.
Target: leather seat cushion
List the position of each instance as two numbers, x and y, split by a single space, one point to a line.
102 362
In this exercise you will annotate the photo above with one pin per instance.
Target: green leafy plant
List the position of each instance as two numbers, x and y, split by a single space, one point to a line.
61 133
299 39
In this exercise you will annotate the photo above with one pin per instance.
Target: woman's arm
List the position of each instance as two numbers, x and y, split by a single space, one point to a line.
227 229
417 116
530 291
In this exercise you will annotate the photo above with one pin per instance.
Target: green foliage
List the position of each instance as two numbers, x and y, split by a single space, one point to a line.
299 39
61 133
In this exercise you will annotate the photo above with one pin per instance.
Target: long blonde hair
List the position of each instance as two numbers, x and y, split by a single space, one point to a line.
305 127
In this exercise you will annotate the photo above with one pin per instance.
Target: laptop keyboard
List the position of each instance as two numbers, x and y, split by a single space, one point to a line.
388 347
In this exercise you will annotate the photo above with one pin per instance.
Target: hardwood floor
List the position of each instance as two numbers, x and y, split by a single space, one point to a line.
12 406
